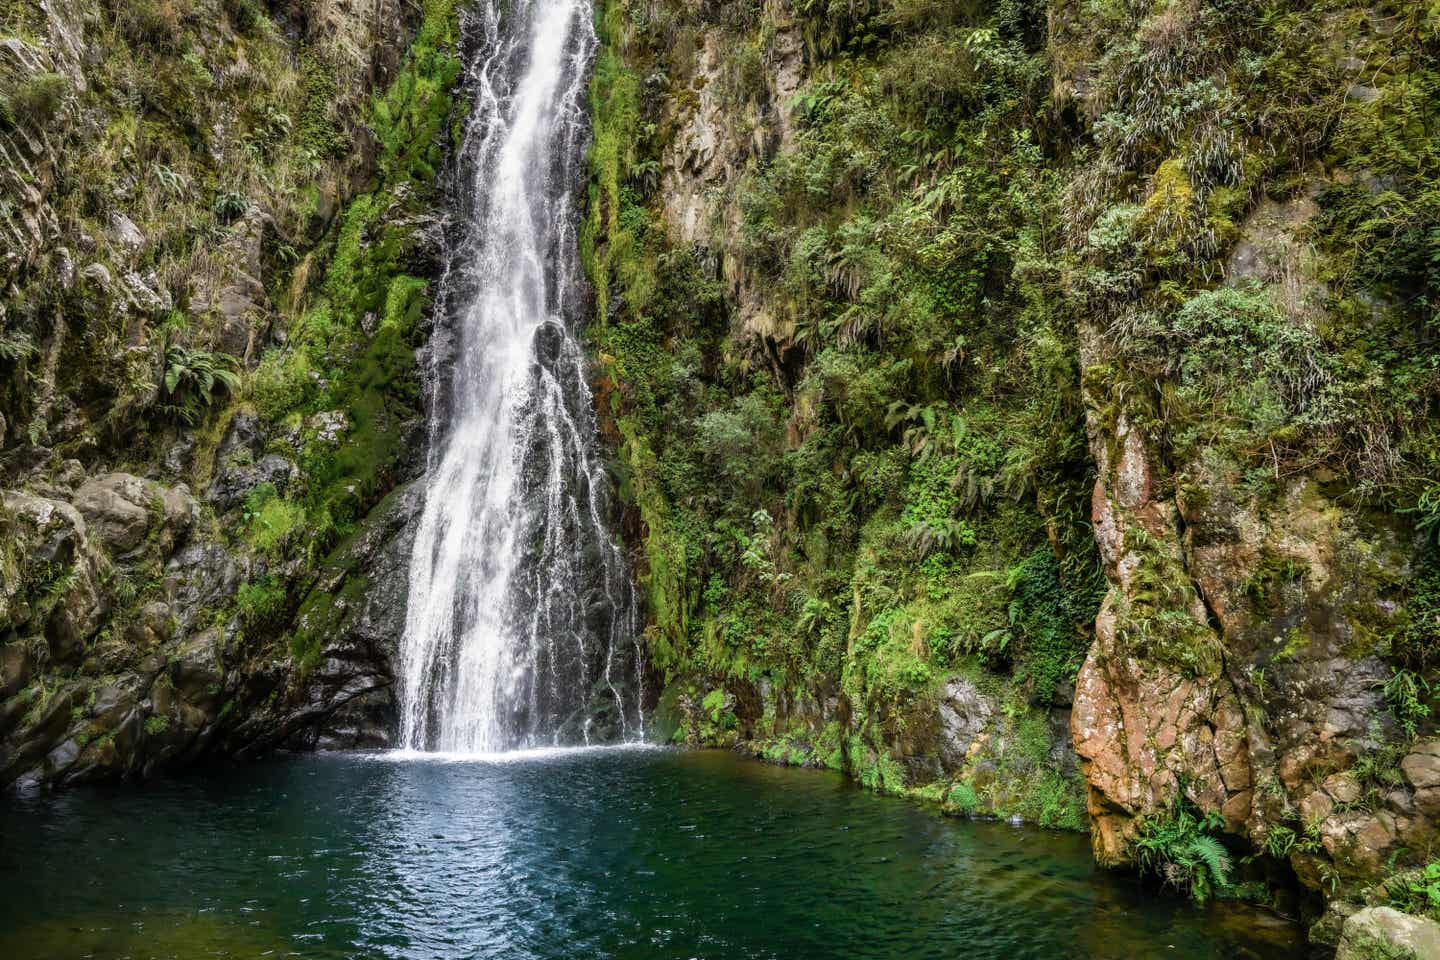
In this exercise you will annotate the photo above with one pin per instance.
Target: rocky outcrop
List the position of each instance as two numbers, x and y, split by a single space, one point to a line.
78 696
95 686
1249 632
1232 664
151 613
1380 933
720 133
355 614
123 511
1153 709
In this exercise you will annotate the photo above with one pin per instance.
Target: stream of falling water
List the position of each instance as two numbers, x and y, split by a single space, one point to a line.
521 627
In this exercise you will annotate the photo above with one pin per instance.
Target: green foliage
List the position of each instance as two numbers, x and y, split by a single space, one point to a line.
833 491
230 206
1179 846
962 799
1408 696
1281 840
1377 768
272 523
1417 644
261 604
15 347
1427 512
1048 620
193 379
352 351
35 101
1417 891
409 118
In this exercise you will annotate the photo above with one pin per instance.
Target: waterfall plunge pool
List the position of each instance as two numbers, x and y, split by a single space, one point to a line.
613 852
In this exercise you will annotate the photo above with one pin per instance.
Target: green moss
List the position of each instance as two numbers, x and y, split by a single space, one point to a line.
961 799
273 522
353 349
261 604
608 248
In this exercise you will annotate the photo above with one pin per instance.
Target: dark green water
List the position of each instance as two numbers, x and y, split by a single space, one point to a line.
613 853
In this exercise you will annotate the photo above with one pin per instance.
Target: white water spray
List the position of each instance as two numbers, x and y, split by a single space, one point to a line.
521 629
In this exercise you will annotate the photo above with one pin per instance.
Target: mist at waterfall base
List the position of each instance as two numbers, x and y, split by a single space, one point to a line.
624 853
521 625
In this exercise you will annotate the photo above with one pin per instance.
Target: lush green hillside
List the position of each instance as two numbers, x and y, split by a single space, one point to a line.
931 330
1029 406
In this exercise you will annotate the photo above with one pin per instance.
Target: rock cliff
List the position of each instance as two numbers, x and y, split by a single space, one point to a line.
1031 406
220 222
1066 382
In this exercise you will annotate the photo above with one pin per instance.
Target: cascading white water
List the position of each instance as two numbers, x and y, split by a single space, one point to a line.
521 628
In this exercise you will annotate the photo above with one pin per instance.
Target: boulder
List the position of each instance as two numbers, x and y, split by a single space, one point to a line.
51 531
964 712
154 625
77 615
124 234
17 664
123 510
1421 766
199 578
196 670
328 426
1343 788
238 478
99 275
56 578
1383 933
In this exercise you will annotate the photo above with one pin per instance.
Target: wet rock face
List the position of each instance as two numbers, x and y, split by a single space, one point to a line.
357 615
1257 692
167 683
964 714
128 695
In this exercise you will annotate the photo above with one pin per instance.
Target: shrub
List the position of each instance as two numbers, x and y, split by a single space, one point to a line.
962 798
1418 891
36 101
261 603
1241 334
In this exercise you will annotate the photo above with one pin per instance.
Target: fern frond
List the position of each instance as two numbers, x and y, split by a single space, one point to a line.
1216 859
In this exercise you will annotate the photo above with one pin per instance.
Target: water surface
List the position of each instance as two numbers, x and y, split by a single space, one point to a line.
624 853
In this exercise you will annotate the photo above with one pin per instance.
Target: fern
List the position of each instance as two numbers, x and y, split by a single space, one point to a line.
192 380
1211 854
1179 847
15 347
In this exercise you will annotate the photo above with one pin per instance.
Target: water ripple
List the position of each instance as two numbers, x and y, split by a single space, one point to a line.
624 852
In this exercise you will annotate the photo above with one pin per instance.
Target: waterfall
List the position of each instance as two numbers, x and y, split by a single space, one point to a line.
521 629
